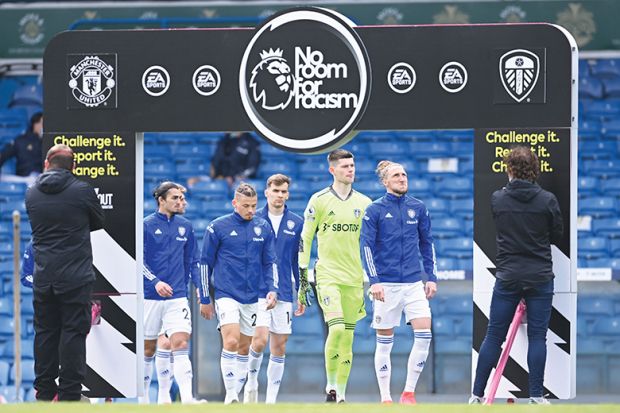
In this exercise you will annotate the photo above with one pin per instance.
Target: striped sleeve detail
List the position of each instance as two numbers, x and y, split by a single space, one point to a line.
204 279
147 273
276 278
370 262
434 260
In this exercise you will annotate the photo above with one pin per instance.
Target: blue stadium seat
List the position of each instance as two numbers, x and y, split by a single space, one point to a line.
4 373
7 326
461 247
437 207
27 95
258 184
270 152
589 129
11 395
595 306
611 187
588 186
163 170
455 135
465 264
6 306
27 373
597 149
214 209
443 326
200 225
365 167
13 121
192 169
371 188
592 247
598 207
210 189
604 68
30 395
446 264
387 150
299 189
590 88
210 138
26 304
314 170
12 189
613 263
589 346
447 228
355 146
7 208
602 109
462 148
607 227
463 208
176 138
430 149
27 349
297 205
454 187
611 87
375 136
421 188
282 166
611 129
417 135
458 305
192 152
608 326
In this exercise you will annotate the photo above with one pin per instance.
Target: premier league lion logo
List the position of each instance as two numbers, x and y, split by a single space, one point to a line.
272 82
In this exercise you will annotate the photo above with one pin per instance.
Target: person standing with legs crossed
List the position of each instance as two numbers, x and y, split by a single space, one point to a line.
239 253
396 234
334 214
275 325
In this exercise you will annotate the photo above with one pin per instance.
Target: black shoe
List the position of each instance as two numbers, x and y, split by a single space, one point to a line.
331 397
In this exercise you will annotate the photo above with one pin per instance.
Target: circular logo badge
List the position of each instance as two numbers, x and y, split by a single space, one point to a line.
92 81
305 79
155 80
453 77
206 80
401 77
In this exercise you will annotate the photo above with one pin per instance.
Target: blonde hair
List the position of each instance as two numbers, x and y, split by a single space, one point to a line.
245 189
383 167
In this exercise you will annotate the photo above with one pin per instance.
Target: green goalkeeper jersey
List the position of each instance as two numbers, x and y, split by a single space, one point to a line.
336 223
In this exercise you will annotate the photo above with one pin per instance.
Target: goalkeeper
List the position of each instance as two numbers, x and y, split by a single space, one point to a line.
335 215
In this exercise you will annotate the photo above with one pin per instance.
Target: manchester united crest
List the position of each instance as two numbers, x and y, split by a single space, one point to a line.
92 81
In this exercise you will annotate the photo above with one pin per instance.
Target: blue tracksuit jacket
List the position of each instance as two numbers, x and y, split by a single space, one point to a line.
396 231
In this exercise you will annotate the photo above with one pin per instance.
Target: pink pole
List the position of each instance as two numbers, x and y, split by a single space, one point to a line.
499 370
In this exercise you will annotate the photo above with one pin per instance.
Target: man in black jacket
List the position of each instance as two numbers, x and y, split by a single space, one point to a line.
63 211
26 149
527 220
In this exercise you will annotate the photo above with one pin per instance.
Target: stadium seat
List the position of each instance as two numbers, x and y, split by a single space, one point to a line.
217 208
27 349
27 373
13 121
314 170
608 326
192 152
5 367
210 189
371 188
299 189
11 395
597 149
283 166
461 247
611 130
589 129
430 150
458 305
12 189
387 150
602 109
454 346
417 135
161 170
611 87
590 88
375 136
463 208
455 135
592 247
446 264
595 306
454 187
606 227
588 186
298 206
192 169
437 207
443 326
27 95
605 68
420 188
598 207
355 146
270 152
447 228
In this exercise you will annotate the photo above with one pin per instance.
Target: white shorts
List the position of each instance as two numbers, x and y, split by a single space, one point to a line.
400 298
230 311
278 319
166 316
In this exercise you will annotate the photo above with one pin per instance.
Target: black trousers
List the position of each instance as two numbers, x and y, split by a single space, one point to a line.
61 323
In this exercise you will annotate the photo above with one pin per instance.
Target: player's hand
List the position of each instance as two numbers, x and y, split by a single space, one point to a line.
272 300
301 309
430 288
206 311
377 292
303 295
163 289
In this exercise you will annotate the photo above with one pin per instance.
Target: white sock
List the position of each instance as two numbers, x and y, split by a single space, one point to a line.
228 365
148 376
242 371
275 371
255 361
163 367
417 357
183 374
383 365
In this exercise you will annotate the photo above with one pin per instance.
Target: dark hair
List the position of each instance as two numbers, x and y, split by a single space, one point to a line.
338 154
36 118
245 189
278 179
163 188
522 163
60 156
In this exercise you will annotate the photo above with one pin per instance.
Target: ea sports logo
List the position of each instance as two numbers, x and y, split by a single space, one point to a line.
206 80
304 80
272 82
155 80
401 77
